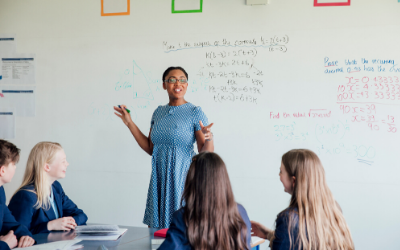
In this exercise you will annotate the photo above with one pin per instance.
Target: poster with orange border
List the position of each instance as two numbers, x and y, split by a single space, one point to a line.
123 13
321 3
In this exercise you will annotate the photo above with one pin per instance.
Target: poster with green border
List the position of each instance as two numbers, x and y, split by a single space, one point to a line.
188 11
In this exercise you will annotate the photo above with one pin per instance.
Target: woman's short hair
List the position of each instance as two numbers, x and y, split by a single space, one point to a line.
166 72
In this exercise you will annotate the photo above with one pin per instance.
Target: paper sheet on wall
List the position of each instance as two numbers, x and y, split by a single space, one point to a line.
181 5
23 99
8 46
18 69
7 123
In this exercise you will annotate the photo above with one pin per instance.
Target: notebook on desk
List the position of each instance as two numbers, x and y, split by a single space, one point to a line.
255 241
100 233
159 236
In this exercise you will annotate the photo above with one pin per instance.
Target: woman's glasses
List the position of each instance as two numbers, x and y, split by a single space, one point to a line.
174 80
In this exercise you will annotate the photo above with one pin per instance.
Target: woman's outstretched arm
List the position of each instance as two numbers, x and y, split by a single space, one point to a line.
143 141
204 138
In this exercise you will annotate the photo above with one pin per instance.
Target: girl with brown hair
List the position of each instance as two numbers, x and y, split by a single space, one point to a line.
313 220
209 219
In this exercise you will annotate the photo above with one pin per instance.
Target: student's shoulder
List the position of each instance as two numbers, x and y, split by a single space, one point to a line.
177 217
26 193
57 188
178 214
240 207
2 195
56 185
243 212
290 212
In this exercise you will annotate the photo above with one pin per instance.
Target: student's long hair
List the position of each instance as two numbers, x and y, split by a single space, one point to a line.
210 211
41 154
321 224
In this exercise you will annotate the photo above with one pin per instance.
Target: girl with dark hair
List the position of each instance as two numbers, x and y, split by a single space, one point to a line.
174 129
209 219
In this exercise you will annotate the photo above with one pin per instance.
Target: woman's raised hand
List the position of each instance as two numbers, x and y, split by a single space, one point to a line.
206 130
123 114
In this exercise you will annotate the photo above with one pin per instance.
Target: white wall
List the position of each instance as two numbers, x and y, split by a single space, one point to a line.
81 58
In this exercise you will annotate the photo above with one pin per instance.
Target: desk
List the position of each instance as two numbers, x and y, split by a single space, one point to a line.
134 238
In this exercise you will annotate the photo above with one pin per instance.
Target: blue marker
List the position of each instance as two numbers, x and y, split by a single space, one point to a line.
119 106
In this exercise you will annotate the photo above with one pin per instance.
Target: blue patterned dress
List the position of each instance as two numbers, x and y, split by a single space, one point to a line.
173 136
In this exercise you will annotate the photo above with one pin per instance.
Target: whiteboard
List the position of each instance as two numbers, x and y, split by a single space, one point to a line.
246 65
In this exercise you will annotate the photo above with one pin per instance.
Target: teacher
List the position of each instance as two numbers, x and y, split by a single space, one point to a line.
174 129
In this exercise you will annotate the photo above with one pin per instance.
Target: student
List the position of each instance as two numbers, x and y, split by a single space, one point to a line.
40 203
209 219
313 220
10 229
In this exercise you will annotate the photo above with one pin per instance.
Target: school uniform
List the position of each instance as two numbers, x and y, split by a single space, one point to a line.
282 240
8 222
36 220
177 238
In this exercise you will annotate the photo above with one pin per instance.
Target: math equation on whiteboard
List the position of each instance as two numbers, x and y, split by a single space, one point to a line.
230 67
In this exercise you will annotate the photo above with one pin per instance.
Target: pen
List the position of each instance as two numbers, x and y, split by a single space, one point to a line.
119 106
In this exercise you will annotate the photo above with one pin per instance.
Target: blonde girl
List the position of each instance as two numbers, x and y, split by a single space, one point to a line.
313 220
40 202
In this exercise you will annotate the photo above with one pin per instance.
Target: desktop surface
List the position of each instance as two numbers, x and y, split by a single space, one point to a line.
134 238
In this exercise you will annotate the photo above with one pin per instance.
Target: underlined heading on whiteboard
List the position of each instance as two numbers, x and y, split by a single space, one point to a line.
276 43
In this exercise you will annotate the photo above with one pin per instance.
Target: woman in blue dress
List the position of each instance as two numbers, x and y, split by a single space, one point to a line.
174 129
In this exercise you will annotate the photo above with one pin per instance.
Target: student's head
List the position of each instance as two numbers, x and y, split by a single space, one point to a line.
210 210
46 164
300 171
175 82
9 156
303 176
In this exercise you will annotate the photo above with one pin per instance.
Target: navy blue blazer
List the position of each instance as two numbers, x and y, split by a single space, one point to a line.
22 207
176 236
8 222
281 240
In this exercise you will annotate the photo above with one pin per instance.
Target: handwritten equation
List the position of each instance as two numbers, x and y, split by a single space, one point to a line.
367 89
364 153
368 114
242 82
289 132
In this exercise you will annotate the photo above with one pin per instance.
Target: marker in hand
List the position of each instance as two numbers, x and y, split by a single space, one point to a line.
119 106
